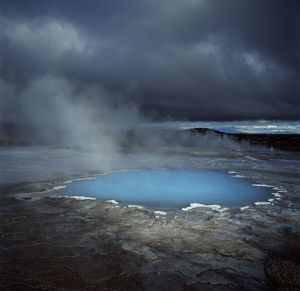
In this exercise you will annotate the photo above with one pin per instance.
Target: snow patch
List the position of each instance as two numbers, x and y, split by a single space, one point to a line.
244 207
79 197
79 179
58 187
196 205
112 201
280 189
136 206
262 185
262 203
223 209
160 212
277 195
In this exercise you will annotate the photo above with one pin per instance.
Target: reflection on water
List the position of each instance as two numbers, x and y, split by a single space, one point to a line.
169 188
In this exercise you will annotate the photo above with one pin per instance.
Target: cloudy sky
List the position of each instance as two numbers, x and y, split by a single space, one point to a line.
189 59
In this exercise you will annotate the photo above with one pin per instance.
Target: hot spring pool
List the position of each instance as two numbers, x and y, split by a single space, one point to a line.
169 189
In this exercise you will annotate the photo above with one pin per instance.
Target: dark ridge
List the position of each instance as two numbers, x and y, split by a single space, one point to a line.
286 142
16 135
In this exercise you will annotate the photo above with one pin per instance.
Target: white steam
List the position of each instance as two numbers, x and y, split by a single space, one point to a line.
44 106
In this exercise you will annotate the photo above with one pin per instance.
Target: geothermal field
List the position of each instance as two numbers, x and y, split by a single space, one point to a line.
213 214
149 145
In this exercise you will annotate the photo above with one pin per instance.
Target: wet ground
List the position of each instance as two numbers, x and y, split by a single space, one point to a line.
71 243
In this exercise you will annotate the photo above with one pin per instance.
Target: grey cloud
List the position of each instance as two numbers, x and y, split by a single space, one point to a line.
202 59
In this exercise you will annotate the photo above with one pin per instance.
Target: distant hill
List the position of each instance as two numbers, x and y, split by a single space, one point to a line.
286 142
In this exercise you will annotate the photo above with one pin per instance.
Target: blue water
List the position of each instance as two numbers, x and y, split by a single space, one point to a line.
169 188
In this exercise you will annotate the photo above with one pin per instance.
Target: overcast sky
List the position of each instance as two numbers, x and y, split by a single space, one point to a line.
185 59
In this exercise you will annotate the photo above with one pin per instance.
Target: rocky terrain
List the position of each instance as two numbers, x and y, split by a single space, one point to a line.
77 243
68 244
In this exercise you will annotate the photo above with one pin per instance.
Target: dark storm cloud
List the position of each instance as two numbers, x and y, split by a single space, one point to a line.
196 59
